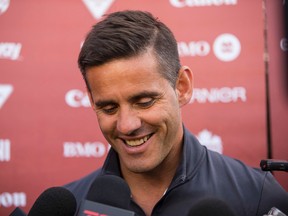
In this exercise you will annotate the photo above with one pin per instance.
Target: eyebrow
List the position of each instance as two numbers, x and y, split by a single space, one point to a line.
131 99
103 103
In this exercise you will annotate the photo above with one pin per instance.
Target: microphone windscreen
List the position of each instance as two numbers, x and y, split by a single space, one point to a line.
17 212
110 190
54 201
211 207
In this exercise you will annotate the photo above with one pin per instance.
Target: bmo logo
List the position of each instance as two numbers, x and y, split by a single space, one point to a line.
193 48
226 47
77 98
86 150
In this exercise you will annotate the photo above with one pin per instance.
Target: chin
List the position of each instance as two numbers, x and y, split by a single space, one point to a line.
141 169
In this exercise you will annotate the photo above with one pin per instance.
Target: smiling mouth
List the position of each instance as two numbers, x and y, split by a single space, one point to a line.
137 142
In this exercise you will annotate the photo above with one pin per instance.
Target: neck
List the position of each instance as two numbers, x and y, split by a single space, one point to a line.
148 188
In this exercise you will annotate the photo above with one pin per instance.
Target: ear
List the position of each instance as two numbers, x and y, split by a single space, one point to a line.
184 85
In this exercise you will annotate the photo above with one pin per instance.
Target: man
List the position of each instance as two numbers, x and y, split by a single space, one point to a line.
137 86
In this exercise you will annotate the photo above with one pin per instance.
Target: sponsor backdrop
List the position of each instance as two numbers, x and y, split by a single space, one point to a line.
49 135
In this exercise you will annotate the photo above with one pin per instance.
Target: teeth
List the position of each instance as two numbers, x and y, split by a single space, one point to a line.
137 142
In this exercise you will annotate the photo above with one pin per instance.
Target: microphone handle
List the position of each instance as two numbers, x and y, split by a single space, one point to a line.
274 165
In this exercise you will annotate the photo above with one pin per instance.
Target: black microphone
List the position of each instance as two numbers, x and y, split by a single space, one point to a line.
17 212
55 201
108 195
210 207
274 165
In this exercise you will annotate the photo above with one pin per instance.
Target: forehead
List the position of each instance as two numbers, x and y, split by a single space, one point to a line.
138 71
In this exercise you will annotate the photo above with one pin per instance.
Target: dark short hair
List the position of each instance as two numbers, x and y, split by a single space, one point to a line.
129 33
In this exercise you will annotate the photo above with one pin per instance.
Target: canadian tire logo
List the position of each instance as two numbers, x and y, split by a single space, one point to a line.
97 7
5 92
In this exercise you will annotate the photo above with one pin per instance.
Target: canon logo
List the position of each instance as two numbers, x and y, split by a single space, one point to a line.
10 51
284 44
88 149
15 199
201 3
5 150
219 95
77 98
193 48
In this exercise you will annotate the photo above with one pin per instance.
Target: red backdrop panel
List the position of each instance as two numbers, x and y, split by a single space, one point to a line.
48 133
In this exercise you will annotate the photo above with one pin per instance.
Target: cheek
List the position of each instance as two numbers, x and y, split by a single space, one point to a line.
106 124
164 114
154 116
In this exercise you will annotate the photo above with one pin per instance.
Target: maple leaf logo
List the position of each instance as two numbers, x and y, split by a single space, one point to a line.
212 142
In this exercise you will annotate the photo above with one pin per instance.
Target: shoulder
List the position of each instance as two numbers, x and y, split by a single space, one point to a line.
257 186
236 171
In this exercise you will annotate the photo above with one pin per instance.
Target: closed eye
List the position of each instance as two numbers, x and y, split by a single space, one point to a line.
108 109
145 102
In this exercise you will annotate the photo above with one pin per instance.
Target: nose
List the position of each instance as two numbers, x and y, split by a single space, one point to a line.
128 121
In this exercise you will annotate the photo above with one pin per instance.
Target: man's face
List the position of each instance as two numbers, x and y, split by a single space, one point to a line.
137 110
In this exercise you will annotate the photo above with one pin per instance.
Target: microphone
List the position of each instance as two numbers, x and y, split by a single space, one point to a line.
17 212
55 201
274 165
275 212
211 207
108 195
